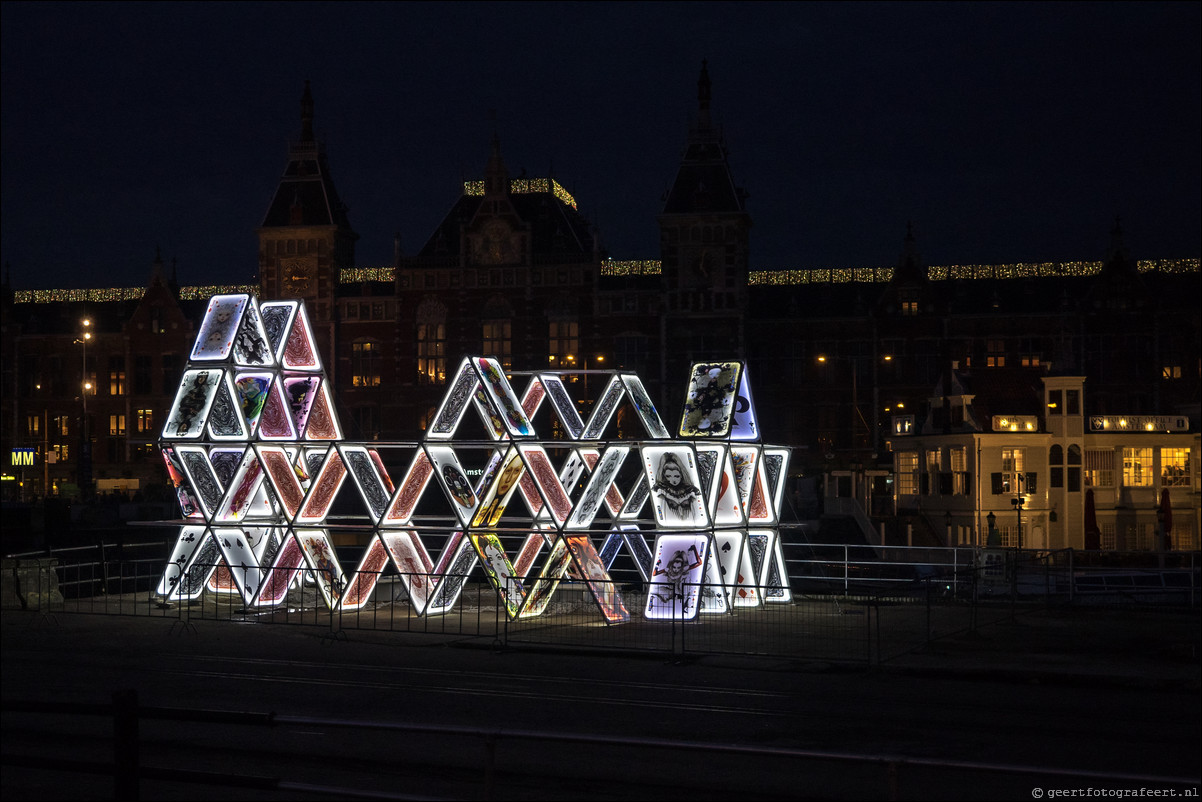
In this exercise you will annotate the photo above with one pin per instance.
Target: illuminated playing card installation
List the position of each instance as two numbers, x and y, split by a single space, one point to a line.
255 452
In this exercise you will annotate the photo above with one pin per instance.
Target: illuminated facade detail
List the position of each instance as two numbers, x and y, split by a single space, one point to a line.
254 449
1138 423
652 267
1015 423
525 186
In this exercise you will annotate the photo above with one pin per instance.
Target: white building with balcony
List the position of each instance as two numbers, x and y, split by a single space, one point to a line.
1022 444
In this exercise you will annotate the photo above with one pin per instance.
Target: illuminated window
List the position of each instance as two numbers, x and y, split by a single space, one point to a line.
365 364
431 350
1099 468
145 420
33 424
995 356
60 425
1174 467
497 341
907 473
117 375
957 462
1011 479
117 424
431 342
1137 467
1171 372
935 481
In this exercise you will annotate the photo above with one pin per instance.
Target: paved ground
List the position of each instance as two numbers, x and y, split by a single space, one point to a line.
968 696
1141 647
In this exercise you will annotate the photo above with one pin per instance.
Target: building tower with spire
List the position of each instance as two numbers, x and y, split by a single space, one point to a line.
306 238
704 250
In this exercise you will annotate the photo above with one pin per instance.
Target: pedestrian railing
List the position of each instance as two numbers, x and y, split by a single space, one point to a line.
844 603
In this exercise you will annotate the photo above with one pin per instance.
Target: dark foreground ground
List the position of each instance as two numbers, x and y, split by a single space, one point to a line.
1098 700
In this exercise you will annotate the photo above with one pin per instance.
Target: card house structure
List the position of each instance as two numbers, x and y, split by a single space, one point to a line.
263 475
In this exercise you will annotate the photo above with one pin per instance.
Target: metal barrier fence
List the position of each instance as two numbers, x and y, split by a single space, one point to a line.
850 603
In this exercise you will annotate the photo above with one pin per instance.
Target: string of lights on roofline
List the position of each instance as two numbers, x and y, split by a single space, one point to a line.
526 186
652 267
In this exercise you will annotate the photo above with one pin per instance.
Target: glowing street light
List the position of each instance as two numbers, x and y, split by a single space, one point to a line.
85 453
84 336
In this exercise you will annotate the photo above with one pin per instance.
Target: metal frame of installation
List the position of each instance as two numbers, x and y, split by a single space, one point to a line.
255 451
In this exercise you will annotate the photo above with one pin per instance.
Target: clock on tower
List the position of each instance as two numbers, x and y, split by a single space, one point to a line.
298 276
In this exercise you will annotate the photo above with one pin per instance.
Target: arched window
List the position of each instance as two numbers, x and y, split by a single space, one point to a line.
1074 468
1056 465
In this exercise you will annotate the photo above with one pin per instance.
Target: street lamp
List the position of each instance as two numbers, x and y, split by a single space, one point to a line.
84 336
1018 503
85 451
991 538
571 359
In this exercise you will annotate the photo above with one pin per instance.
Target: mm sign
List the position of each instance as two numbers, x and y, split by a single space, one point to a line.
23 457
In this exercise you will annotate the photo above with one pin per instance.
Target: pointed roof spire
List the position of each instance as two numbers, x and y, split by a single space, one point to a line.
306 194
703 181
909 266
1118 249
307 115
496 178
156 269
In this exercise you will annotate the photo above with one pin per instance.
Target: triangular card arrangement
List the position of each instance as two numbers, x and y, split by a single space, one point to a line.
253 447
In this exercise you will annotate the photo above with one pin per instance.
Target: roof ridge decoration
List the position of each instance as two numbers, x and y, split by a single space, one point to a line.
256 454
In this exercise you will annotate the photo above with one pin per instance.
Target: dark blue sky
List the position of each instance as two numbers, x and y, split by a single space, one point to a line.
1006 132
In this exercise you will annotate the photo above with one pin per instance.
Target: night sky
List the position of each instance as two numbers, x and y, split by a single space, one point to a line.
1007 132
